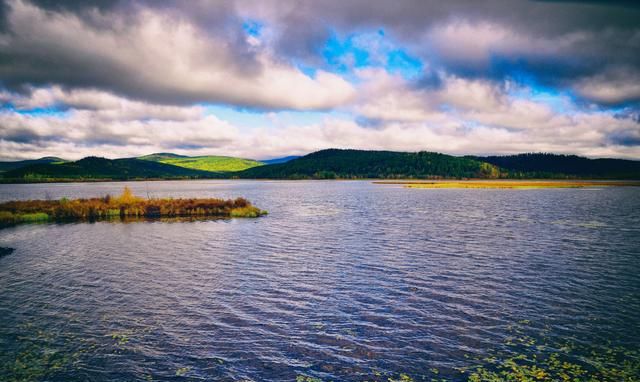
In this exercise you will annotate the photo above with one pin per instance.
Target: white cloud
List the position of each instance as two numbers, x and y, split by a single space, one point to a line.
99 123
154 56
105 105
501 125
391 98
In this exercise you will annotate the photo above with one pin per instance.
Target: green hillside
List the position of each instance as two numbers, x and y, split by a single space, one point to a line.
206 163
349 164
8 166
100 168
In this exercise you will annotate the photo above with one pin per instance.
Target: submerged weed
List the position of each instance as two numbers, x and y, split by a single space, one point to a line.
306 378
526 360
38 357
181 372
121 338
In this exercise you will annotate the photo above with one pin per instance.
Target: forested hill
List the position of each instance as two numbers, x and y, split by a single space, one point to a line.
8 166
557 166
100 168
335 164
348 164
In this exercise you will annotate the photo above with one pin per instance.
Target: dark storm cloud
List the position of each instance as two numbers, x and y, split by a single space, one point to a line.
62 5
619 3
625 139
629 113
161 53
540 18
21 135
590 48
556 43
75 61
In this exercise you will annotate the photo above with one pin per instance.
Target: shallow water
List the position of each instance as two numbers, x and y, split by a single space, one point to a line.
341 281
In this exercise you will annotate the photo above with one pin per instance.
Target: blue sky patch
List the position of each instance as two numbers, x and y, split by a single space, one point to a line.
252 27
52 111
369 49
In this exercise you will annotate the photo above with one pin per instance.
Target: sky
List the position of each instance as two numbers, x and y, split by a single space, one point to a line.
268 78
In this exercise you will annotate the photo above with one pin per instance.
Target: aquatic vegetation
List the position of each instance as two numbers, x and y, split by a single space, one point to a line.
34 217
121 338
305 378
247 212
318 326
401 378
37 357
125 206
611 365
40 356
8 216
525 358
36 362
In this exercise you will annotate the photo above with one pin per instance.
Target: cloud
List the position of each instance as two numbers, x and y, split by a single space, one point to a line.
461 116
185 52
127 78
477 46
480 116
392 98
614 86
106 106
152 56
557 44
97 120
85 129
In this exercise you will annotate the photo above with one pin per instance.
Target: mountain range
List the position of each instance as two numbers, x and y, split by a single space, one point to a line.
324 164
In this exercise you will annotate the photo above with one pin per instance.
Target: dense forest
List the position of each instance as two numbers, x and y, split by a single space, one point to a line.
332 164
353 164
542 165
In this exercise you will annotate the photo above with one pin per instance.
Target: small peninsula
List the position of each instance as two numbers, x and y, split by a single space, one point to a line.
510 184
124 207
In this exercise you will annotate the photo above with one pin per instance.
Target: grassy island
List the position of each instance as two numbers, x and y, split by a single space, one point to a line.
125 206
511 184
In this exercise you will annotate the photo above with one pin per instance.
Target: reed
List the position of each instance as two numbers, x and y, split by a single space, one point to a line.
124 206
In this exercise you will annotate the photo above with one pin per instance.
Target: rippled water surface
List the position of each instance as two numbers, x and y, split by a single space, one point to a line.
341 281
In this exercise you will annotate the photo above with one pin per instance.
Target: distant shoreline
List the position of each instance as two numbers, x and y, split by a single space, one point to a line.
329 164
400 181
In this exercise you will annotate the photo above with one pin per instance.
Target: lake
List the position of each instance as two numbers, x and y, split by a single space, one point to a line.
342 281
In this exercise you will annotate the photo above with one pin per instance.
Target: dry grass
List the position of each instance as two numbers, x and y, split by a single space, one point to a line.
512 184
